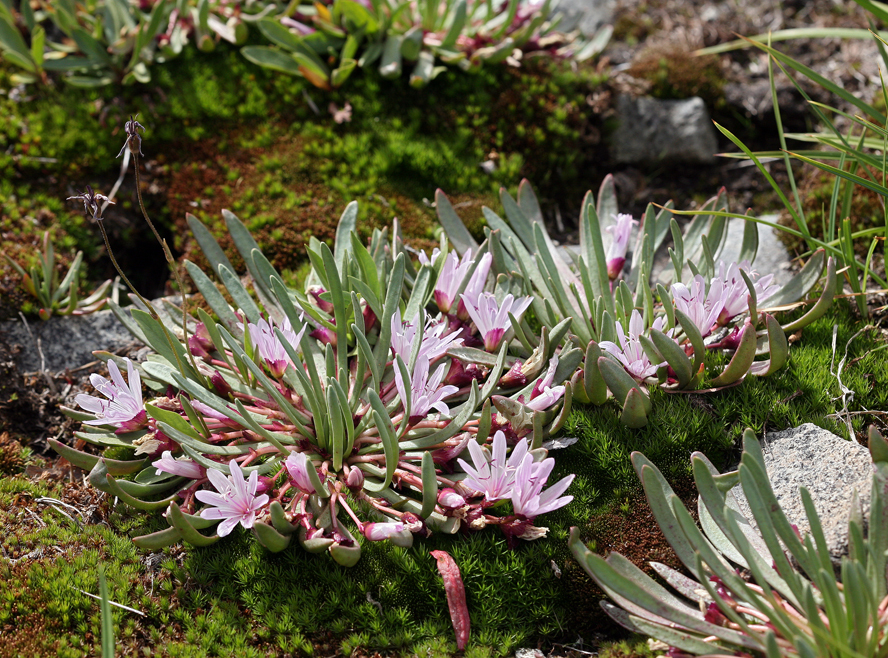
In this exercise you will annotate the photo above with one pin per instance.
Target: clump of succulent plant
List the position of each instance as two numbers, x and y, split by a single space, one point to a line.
637 332
108 41
56 297
388 392
326 43
790 603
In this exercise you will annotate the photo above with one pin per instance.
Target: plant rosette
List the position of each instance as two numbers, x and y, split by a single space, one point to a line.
356 399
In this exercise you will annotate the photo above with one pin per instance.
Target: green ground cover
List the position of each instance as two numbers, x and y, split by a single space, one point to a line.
235 599
224 133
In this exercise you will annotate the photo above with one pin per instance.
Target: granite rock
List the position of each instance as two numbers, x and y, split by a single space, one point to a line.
67 342
652 130
586 15
829 467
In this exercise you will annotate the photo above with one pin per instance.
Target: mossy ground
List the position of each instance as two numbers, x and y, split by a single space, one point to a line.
222 133
236 599
225 134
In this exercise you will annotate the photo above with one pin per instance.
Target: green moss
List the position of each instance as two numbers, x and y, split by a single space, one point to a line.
238 599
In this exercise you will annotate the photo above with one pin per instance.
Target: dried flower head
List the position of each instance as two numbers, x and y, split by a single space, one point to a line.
133 138
93 202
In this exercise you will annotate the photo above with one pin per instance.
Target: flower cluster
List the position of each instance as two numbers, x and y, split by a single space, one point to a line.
517 478
638 327
333 401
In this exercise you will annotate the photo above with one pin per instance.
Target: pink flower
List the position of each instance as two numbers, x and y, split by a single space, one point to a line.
693 302
544 395
236 500
528 498
434 341
492 319
629 352
426 393
297 466
452 275
381 531
616 253
182 466
449 500
123 408
270 347
301 28
474 287
425 260
493 476
730 287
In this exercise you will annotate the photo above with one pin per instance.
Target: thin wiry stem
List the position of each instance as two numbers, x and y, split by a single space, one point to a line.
170 260
136 292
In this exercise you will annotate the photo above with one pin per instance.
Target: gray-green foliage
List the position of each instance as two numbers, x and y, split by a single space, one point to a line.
60 298
632 328
794 604
253 387
118 41
111 40
423 36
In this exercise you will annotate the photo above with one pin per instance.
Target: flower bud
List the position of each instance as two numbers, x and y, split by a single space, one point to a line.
325 335
222 387
355 480
264 484
323 304
453 504
381 531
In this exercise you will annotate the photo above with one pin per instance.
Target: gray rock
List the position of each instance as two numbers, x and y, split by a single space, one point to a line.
771 258
529 653
829 467
652 130
586 15
66 341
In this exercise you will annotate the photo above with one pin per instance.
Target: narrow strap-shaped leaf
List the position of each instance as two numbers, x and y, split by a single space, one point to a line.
213 297
392 301
367 267
823 302
801 283
158 540
188 532
675 356
620 382
694 337
344 231
211 249
269 537
239 294
457 232
388 437
741 361
778 349
429 485
519 222
420 293
87 462
635 413
593 254
137 503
